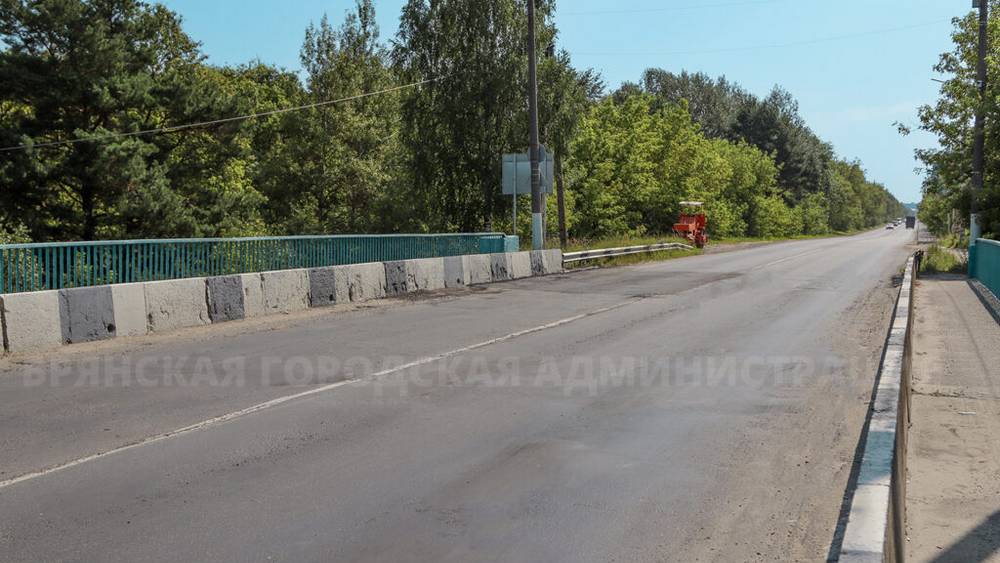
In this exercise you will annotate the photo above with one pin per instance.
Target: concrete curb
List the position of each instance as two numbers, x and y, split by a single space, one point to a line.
876 523
47 319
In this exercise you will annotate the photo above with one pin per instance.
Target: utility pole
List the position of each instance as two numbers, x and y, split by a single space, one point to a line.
561 201
537 227
979 136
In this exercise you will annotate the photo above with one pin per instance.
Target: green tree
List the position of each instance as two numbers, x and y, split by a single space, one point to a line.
78 71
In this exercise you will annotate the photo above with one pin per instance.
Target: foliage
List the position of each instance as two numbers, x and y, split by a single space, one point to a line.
950 119
103 72
940 259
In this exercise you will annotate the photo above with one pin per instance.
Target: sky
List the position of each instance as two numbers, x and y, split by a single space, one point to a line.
855 66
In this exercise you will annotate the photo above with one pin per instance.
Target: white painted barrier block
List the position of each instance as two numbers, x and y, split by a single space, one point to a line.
520 265
31 321
360 282
285 290
253 295
478 268
173 304
456 273
403 276
129 303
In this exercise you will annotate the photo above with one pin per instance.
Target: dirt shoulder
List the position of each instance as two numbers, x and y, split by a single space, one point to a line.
953 494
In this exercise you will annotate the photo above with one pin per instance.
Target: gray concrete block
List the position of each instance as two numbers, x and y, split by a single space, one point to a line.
362 281
87 314
500 266
324 289
520 265
456 274
253 295
173 304
403 276
128 302
285 290
478 268
395 277
225 298
31 321
545 262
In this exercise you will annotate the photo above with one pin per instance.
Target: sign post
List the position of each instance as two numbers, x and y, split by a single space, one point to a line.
516 177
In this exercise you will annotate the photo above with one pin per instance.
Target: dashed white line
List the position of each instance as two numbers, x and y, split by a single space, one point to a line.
317 390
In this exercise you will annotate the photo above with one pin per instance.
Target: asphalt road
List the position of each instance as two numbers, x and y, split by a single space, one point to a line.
699 409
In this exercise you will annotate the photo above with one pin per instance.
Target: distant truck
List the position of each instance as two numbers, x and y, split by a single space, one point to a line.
911 221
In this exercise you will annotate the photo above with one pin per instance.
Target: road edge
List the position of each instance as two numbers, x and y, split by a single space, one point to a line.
876 520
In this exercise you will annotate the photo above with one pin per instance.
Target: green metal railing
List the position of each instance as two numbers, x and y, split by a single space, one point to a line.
39 266
984 263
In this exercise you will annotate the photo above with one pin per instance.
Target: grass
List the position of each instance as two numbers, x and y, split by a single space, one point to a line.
938 259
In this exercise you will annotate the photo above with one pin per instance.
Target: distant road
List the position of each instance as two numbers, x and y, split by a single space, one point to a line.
519 434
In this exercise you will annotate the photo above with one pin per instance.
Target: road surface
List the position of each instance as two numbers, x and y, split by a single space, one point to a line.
700 409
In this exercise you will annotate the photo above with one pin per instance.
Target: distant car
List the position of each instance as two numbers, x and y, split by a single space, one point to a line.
890 226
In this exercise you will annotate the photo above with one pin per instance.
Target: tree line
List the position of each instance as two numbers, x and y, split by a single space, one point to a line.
946 198
82 80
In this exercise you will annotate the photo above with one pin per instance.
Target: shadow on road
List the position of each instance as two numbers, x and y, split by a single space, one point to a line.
978 544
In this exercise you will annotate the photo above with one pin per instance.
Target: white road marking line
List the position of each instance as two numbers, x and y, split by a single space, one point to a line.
322 389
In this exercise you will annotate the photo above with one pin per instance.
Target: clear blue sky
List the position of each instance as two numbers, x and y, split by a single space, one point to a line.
850 89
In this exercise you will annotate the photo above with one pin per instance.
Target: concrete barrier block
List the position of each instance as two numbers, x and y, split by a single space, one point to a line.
456 274
128 301
253 295
324 289
362 281
86 314
545 262
31 321
403 276
285 290
478 268
225 298
173 304
520 265
500 266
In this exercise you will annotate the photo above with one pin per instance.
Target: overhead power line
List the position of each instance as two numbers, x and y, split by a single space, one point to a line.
767 46
670 8
174 128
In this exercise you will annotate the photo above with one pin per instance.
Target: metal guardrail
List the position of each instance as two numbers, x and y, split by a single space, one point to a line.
622 251
40 266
